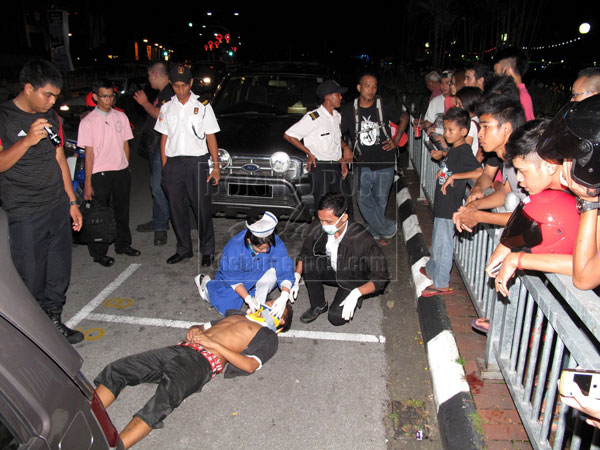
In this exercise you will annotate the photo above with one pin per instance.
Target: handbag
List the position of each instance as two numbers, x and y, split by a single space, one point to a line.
99 225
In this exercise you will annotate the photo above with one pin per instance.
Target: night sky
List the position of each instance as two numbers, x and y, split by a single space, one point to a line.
321 32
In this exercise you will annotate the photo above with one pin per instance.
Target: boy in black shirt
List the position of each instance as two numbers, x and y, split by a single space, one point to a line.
456 168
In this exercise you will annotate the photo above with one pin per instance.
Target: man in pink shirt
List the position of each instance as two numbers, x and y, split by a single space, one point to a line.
515 63
104 133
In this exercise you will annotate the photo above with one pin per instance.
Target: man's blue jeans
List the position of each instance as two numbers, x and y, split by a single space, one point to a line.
373 188
442 252
160 204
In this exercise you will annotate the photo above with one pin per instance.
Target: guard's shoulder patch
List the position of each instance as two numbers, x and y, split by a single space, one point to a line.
314 115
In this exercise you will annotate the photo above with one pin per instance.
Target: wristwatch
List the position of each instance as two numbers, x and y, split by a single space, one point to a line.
584 205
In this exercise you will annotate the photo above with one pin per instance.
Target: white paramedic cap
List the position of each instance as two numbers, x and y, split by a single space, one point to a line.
265 226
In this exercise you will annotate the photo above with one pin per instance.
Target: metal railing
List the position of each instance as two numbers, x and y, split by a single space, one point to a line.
544 326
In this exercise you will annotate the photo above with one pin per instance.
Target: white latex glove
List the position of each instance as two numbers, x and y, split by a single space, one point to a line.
349 304
252 303
295 287
279 305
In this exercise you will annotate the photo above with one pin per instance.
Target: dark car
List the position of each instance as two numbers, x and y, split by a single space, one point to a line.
259 169
45 400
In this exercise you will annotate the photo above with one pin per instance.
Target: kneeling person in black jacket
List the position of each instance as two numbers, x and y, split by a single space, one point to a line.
339 252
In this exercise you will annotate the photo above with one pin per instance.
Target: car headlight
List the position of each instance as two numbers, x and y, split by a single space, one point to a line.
206 80
280 162
224 159
64 107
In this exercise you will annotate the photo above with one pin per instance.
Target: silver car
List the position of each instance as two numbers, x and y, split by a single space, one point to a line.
45 401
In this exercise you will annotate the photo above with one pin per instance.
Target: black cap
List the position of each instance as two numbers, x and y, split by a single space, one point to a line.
329 87
180 73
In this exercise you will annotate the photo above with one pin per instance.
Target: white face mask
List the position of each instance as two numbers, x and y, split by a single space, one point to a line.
332 229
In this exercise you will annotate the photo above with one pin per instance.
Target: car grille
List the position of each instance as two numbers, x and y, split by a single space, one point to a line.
264 168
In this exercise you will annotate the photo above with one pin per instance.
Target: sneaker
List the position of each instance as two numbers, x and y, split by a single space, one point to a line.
201 281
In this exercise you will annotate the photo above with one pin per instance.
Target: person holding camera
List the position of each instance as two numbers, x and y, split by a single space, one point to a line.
36 190
573 136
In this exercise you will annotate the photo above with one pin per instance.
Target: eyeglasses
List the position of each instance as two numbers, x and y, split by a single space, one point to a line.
577 94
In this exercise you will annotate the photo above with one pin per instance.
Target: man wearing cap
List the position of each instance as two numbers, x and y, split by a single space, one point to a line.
367 122
188 128
254 262
318 135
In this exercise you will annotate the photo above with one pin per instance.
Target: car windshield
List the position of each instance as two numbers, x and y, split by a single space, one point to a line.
268 94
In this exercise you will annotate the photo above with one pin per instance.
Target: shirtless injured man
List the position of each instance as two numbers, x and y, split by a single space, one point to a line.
246 342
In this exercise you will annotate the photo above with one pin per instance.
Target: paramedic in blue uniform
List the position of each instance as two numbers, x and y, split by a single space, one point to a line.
254 262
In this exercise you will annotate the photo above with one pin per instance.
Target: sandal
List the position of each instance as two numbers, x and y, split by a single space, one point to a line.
384 242
481 325
431 291
423 271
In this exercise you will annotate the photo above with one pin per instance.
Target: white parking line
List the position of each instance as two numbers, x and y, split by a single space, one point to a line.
87 313
96 301
322 335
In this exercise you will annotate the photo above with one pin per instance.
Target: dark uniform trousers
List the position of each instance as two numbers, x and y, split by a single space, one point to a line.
111 188
317 273
184 181
326 177
40 246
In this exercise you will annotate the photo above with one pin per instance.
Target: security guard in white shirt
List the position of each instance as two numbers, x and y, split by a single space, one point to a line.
318 135
188 127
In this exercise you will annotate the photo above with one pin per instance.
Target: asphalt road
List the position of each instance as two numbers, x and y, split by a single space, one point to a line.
361 386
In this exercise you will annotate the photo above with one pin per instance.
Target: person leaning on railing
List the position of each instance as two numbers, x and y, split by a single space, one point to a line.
535 175
499 117
574 135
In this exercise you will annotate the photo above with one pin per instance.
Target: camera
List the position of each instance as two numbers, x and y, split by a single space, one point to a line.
587 380
53 137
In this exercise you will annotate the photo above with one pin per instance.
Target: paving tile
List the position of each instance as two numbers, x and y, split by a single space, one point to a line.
498 416
508 445
496 432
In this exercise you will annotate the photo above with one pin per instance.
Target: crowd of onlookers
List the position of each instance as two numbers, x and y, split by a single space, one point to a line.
539 179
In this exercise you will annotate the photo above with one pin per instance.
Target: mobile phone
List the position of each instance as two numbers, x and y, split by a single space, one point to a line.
496 269
587 380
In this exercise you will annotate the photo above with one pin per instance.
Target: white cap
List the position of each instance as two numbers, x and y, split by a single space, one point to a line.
265 226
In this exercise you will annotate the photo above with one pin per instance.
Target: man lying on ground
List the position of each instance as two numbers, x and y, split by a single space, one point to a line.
246 342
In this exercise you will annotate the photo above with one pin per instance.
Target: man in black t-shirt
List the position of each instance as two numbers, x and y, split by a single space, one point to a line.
158 76
367 122
36 189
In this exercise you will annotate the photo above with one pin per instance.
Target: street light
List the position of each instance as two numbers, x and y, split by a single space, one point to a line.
584 28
